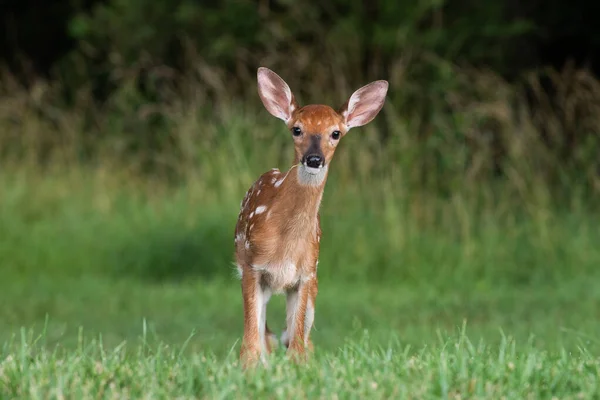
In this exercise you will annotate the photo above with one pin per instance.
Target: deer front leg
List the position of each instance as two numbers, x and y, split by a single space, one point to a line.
255 301
310 312
300 316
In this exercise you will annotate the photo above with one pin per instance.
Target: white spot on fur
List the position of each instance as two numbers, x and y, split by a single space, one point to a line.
247 245
251 214
251 226
257 193
239 237
273 180
260 209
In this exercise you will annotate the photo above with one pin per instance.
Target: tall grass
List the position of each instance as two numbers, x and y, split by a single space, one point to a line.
116 213
408 196
403 206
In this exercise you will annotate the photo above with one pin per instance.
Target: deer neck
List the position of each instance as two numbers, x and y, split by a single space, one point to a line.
303 193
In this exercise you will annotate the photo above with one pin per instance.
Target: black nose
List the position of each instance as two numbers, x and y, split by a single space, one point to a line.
314 161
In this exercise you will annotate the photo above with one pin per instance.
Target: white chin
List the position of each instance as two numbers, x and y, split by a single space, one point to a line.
313 171
311 176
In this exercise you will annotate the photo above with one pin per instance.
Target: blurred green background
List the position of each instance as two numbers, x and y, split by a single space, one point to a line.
131 129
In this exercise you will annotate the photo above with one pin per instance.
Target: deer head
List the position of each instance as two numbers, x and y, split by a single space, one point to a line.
317 129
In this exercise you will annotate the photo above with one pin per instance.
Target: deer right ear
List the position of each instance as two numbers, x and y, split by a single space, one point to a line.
275 94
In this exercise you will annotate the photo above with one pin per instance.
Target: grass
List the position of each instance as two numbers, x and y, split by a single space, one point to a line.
116 274
452 367
129 288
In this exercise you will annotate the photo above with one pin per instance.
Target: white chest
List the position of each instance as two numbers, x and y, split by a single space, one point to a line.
279 276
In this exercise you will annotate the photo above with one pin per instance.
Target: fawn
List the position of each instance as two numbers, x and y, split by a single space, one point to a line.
278 232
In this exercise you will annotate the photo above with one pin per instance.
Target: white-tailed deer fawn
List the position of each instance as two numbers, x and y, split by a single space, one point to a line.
278 231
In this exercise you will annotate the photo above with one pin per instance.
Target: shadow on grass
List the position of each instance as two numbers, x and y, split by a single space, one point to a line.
172 252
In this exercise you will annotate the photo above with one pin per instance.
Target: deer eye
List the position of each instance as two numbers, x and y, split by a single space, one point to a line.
335 135
296 131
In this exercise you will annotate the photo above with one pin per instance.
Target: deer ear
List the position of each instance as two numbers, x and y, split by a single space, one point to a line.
275 94
364 104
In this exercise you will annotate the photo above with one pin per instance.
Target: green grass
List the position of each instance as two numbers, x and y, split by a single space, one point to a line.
130 286
116 248
459 254
451 367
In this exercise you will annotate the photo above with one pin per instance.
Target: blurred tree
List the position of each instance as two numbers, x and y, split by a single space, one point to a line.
113 35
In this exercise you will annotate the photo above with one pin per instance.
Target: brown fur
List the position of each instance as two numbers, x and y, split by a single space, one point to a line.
316 119
278 233
289 230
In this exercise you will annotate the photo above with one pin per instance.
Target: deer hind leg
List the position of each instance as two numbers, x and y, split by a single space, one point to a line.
254 344
271 339
290 307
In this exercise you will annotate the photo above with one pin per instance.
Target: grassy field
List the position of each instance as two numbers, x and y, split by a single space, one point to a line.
437 278
453 367
114 287
461 228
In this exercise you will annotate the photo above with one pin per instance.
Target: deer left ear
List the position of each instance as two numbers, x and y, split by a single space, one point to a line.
364 104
